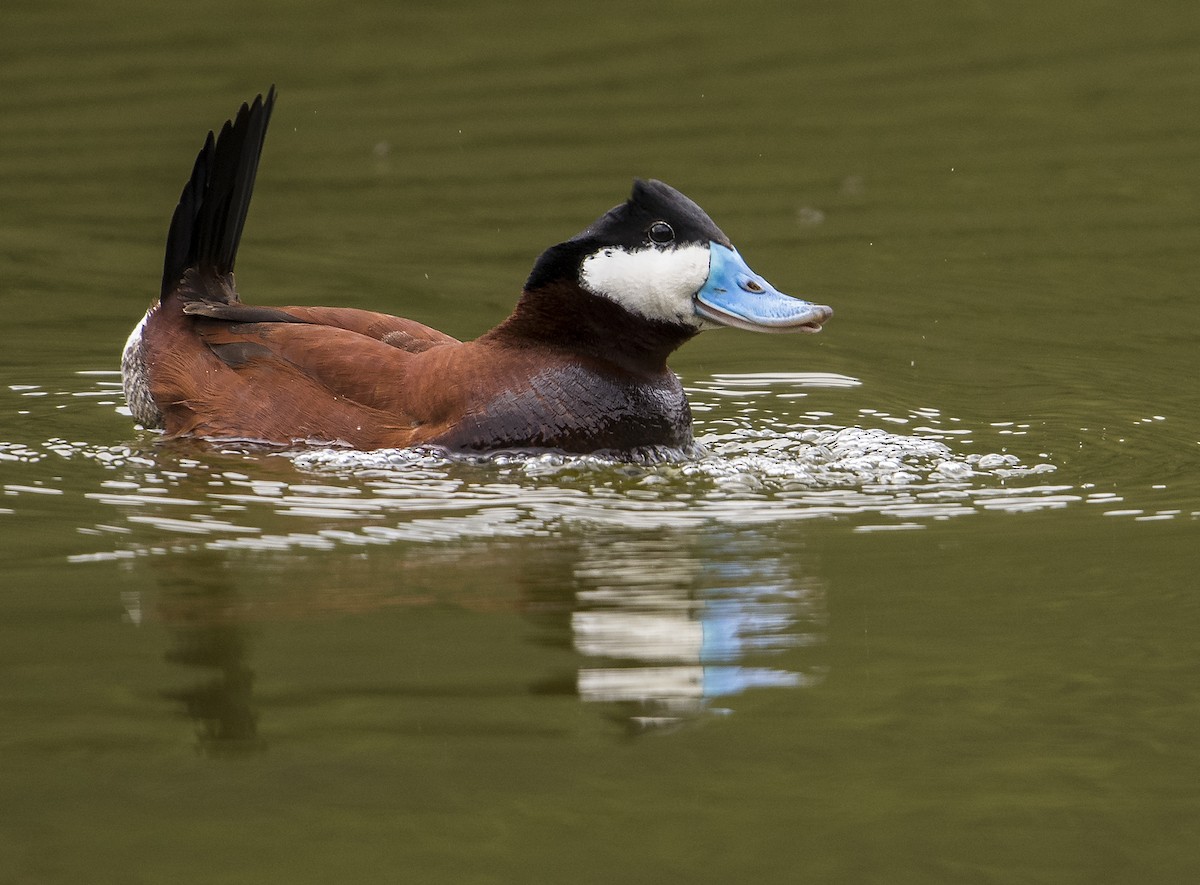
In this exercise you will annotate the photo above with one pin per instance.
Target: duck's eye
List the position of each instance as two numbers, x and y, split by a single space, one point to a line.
660 232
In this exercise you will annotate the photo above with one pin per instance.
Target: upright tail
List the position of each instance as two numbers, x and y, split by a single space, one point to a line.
208 221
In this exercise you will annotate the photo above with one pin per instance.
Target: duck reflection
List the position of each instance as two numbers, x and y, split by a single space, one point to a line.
202 611
657 630
672 633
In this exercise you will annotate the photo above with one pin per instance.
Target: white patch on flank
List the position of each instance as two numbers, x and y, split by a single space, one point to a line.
135 380
654 283
134 339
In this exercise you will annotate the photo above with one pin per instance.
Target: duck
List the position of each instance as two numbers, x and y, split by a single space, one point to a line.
580 365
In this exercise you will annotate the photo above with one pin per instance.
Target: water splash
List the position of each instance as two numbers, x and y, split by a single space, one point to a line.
760 457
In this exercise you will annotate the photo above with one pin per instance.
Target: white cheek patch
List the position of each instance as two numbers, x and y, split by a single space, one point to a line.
654 283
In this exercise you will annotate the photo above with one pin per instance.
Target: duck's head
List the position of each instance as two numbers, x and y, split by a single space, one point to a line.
660 257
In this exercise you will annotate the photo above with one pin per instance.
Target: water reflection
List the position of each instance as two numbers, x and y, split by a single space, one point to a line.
667 633
201 610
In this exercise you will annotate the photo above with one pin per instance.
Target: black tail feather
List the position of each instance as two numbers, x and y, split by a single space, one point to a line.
208 221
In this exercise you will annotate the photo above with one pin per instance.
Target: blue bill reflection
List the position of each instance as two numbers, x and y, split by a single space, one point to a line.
667 636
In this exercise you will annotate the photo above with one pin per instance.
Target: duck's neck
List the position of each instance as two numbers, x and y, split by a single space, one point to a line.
563 316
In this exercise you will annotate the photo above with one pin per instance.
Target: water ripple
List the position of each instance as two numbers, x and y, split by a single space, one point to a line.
760 457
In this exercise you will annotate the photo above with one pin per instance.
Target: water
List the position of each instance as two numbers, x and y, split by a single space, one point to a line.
922 608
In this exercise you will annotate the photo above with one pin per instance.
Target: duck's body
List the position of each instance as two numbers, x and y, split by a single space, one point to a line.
580 365
369 380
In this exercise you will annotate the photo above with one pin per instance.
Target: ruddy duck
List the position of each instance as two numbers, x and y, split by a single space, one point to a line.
580 365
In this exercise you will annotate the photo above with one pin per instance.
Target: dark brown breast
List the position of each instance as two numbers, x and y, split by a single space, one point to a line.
576 408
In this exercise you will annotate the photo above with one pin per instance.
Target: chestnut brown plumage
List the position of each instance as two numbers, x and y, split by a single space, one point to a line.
573 368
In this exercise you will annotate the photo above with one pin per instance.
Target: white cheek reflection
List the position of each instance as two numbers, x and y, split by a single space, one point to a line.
665 632
654 283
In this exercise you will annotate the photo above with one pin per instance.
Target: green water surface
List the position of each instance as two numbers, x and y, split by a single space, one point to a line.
927 612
